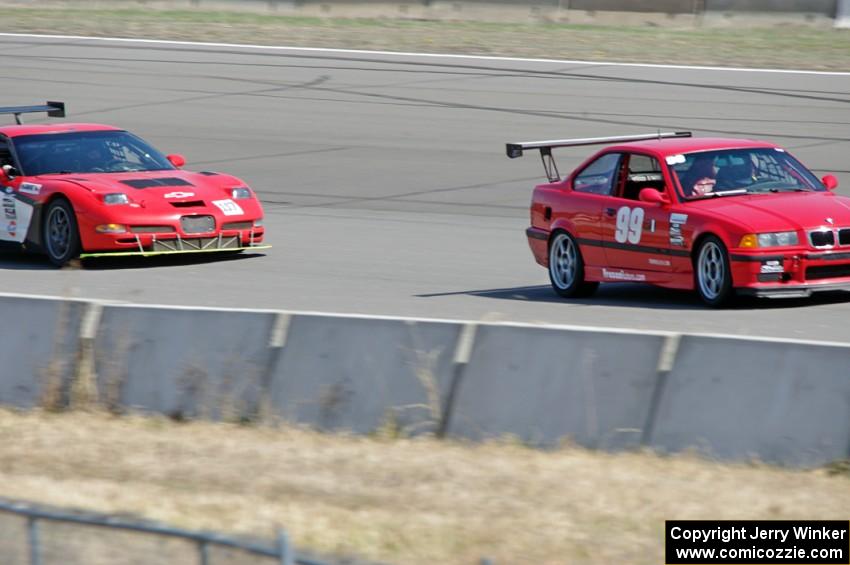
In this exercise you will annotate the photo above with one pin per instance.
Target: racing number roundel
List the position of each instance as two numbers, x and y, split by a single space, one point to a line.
629 225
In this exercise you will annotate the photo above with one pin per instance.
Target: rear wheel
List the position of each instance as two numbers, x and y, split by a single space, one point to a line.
712 272
566 268
60 233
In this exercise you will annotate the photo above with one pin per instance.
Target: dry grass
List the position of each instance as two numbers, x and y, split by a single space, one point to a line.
785 47
411 501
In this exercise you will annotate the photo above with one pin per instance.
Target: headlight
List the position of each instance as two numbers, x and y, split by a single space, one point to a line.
773 239
116 198
258 223
240 193
778 239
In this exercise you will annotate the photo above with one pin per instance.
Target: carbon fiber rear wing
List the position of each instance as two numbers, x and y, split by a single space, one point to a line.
53 109
515 150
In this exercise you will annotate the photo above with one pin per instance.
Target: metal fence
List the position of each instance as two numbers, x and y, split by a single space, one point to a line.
33 541
23 542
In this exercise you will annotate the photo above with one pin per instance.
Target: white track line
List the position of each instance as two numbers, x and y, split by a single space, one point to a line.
422 55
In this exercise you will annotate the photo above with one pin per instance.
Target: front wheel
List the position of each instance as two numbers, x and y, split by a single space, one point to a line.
713 275
60 233
566 268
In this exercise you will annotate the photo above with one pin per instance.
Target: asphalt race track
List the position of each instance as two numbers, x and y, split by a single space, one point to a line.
384 177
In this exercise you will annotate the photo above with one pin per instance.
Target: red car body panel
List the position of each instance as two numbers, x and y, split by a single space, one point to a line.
35 129
158 199
591 219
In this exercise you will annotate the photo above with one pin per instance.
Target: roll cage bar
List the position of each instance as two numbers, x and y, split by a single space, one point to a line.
53 109
515 150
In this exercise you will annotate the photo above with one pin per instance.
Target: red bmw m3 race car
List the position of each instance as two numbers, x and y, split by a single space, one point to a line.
88 190
721 216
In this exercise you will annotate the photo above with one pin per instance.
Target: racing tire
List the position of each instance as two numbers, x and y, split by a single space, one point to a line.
60 234
712 274
566 268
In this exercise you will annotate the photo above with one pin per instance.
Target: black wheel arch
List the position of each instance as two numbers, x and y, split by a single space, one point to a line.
35 233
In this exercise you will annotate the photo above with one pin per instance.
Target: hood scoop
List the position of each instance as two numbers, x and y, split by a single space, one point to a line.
148 183
188 204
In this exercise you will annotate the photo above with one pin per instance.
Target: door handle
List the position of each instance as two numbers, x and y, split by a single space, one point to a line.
610 211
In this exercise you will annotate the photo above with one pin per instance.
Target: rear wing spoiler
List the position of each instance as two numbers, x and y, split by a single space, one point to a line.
53 109
515 150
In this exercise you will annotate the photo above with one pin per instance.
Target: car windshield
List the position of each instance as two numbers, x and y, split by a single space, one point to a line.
87 152
709 174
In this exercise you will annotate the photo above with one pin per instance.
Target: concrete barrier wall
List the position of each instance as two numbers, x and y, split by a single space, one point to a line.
776 401
842 14
824 7
784 402
361 374
38 350
183 362
545 385
677 13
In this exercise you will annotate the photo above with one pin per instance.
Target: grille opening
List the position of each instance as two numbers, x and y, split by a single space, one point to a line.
844 236
822 238
188 204
828 272
238 226
151 229
197 224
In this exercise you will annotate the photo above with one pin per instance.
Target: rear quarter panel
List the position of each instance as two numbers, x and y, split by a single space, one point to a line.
556 207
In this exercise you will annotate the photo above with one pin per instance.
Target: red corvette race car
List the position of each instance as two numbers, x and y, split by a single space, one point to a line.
716 215
87 190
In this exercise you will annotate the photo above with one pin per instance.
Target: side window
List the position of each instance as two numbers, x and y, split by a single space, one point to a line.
5 154
644 172
599 176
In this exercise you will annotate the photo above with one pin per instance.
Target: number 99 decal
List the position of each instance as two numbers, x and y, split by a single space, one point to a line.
629 225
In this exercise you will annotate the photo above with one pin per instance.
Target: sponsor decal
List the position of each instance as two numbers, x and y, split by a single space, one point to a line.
629 225
676 222
9 208
15 220
621 275
228 207
30 188
660 262
773 266
179 194
675 159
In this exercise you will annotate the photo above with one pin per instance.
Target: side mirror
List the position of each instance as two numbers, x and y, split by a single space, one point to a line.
653 196
177 160
830 182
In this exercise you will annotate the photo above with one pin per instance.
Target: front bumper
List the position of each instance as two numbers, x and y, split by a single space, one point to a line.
789 274
168 229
